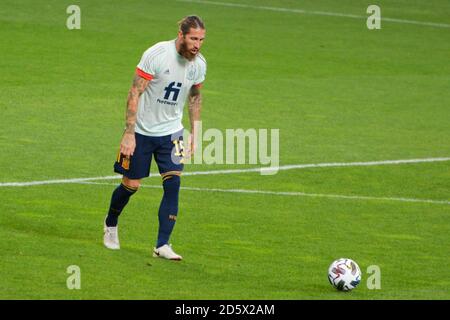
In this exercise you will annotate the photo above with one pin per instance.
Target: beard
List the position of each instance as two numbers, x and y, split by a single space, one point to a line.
184 51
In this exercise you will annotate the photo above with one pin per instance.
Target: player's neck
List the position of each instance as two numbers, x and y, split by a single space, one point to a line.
178 48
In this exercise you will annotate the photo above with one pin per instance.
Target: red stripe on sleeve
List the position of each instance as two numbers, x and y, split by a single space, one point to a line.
198 85
143 74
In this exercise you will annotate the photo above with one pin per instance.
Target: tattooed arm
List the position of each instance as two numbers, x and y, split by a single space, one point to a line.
128 143
195 107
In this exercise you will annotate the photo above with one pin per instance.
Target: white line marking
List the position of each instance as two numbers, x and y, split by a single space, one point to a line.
58 181
233 171
321 13
282 193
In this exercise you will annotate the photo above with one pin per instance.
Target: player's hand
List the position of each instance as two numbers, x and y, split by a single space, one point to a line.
128 144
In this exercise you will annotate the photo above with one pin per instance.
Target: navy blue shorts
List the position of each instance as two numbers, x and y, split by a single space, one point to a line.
167 150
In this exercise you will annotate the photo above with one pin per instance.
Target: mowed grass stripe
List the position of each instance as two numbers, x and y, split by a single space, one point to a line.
289 193
320 13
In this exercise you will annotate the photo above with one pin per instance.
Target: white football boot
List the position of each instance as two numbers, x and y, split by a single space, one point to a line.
111 237
166 252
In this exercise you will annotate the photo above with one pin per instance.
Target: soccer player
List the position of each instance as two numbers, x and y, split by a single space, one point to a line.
169 73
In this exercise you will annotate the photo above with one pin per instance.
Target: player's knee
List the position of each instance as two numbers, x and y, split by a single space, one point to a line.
131 183
171 182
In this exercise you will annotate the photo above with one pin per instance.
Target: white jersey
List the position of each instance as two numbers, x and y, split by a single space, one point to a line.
161 105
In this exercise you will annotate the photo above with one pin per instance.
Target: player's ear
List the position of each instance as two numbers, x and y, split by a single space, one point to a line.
180 34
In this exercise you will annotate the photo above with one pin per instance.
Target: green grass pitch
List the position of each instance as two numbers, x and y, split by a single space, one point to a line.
337 91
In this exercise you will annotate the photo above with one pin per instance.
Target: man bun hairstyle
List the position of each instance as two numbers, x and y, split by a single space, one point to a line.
190 22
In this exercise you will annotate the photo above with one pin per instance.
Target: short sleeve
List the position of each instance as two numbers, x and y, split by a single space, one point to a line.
150 64
201 74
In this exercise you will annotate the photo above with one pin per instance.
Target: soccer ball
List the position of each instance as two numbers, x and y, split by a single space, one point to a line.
344 274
